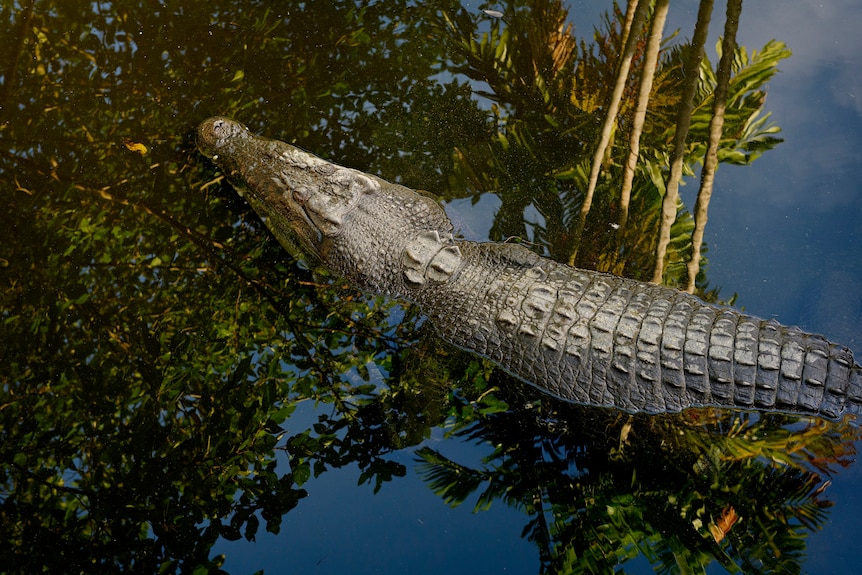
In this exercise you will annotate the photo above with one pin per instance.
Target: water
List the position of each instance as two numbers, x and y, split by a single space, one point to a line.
167 369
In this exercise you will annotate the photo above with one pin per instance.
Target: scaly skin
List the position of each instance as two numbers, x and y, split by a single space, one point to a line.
583 336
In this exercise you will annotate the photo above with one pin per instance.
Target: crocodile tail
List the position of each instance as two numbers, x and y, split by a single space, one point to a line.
593 338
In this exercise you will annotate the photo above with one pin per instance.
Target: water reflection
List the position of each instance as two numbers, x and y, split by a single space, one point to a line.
155 342
599 489
553 101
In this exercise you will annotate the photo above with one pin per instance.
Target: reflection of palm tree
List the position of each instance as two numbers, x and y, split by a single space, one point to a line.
710 161
647 75
636 14
608 488
670 202
548 94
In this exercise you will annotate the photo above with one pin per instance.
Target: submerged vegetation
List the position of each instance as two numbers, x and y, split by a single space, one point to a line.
155 343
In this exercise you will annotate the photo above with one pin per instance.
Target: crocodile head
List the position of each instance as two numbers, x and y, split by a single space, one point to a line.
298 194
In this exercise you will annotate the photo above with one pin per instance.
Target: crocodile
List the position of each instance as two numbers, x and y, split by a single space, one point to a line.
583 336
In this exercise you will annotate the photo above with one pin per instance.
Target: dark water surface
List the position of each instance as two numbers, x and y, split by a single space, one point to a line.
179 395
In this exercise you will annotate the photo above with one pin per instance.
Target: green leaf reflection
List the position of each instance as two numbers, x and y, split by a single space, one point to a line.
600 488
160 355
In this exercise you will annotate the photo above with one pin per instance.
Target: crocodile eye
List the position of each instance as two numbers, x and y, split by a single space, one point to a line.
300 195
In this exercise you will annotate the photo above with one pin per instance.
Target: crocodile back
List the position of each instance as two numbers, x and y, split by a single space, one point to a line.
598 339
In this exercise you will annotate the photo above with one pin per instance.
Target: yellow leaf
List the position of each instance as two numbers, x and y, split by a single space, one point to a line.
135 146
720 528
